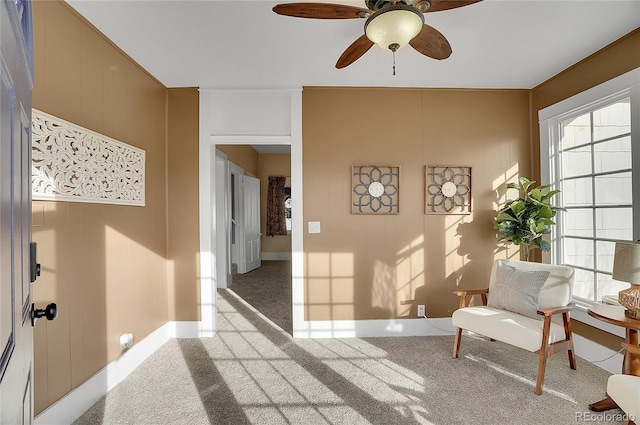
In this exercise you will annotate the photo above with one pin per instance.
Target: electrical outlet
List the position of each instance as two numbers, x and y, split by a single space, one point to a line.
421 310
126 341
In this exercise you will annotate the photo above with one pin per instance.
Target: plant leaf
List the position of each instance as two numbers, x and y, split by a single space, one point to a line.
513 186
545 211
507 228
543 245
550 194
536 194
505 217
540 226
518 207
525 183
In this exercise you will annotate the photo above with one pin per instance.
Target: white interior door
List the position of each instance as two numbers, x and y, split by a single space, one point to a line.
250 227
16 332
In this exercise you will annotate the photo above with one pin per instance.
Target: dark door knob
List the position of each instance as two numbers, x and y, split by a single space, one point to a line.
50 312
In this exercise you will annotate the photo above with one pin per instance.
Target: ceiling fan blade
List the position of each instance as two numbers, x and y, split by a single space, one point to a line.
353 52
321 11
430 42
438 5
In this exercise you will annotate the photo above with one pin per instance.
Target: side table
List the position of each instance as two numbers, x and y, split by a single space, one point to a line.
614 315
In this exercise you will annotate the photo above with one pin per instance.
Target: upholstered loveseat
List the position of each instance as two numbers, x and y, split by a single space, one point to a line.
517 308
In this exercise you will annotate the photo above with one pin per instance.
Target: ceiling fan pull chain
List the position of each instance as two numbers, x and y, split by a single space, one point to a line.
394 61
394 47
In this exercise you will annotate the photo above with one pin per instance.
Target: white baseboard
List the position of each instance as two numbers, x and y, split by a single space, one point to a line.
597 354
74 404
276 256
374 328
593 352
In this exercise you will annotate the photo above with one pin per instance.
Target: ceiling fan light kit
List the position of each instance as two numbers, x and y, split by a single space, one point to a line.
394 26
391 24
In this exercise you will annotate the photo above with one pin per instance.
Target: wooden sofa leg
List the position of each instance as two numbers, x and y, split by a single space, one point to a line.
456 343
569 336
542 363
544 353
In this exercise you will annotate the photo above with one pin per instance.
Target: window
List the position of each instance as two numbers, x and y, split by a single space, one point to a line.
287 203
595 180
592 144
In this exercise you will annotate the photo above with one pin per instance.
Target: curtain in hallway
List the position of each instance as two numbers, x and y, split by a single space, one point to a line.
276 223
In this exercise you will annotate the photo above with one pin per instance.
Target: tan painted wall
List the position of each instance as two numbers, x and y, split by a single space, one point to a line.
243 156
614 60
619 57
374 267
183 206
104 265
272 165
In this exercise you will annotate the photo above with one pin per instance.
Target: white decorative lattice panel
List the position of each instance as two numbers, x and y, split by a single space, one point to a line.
71 163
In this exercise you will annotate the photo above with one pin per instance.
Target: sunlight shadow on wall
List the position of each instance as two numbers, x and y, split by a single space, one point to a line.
500 185
330 285
383 291
144 302
410 273
456 256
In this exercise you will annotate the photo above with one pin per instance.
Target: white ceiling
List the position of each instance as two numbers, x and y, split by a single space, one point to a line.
242 43
272 148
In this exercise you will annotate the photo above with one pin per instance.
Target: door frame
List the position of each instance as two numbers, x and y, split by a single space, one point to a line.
235 174
222 221
289 101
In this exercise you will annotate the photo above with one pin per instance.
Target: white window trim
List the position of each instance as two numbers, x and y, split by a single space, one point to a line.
625 85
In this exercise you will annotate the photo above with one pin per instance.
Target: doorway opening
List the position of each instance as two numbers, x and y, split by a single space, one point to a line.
276 119
258 267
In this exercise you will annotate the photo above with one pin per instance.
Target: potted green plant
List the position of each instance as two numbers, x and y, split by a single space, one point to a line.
524 221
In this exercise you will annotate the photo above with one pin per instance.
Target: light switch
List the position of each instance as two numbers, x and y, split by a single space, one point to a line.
314 227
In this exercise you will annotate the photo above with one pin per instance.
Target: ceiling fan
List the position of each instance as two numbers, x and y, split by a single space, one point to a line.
391 24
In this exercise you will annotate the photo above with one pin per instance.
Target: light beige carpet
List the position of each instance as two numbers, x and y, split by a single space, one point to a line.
268 290
252 372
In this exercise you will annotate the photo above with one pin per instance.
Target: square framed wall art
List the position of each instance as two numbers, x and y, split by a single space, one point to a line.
447 189
375 189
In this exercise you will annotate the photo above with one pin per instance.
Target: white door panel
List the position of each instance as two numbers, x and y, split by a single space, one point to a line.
250 224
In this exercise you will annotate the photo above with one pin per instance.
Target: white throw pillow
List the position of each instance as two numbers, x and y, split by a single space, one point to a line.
517 290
